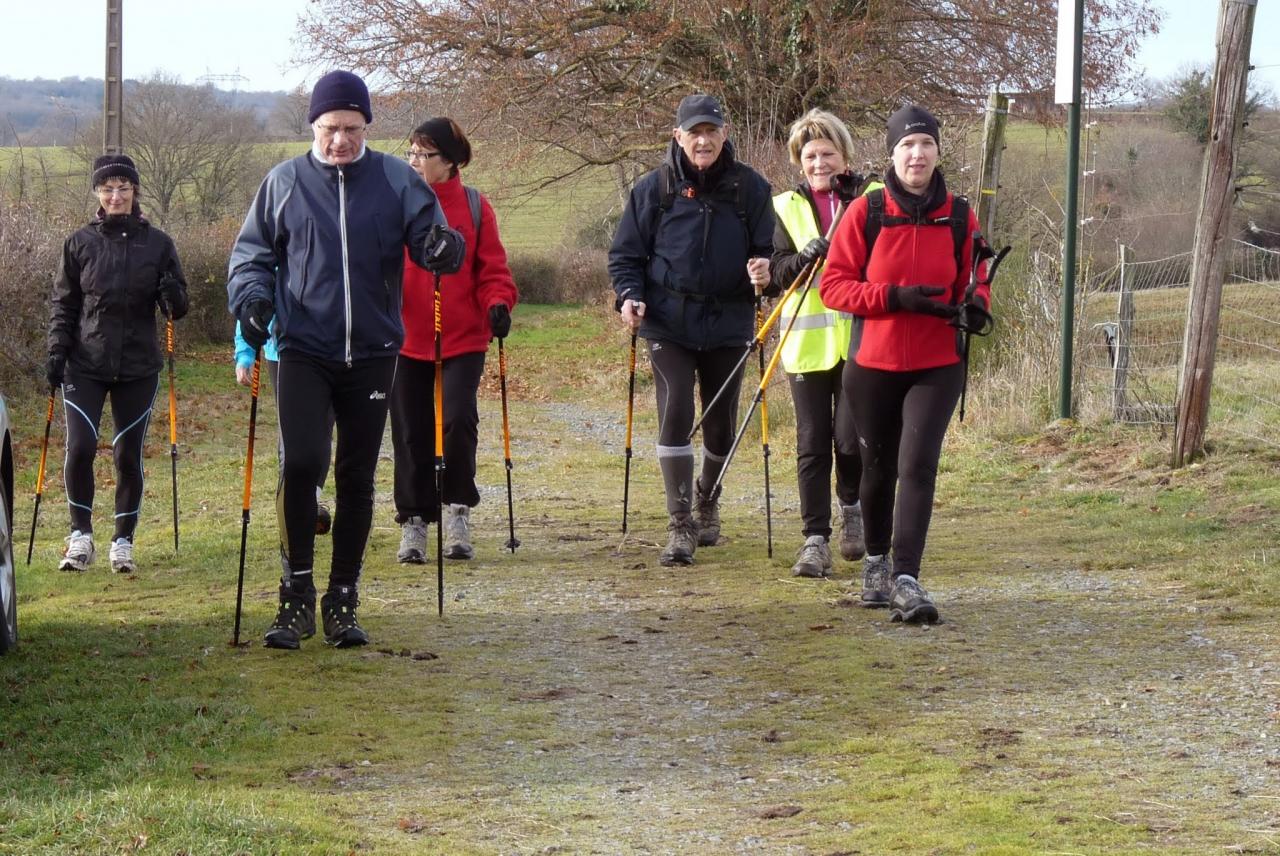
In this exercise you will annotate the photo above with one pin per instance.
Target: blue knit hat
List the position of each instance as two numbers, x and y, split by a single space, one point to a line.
340 90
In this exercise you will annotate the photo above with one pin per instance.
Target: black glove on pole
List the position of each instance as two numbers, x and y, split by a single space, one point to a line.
55 369
444 250
814 250
255 322
168 286
499 320
919 298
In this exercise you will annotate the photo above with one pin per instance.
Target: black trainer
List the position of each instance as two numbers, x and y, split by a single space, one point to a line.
910 602
338 610
324 520
877 581
295 619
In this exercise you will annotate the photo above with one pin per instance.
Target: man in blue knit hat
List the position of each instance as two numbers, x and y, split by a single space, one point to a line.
321 251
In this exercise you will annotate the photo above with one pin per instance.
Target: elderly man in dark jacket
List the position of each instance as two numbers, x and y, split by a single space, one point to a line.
690 254
322 251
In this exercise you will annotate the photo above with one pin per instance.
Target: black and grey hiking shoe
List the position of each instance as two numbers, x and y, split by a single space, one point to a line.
852 546
295 619
324 519
706 514
814 558
877 581
682 541
338 610
910 602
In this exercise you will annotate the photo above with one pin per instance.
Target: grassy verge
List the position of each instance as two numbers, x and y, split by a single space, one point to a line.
1105 680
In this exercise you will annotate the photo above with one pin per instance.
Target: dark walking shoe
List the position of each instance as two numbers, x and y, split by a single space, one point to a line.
911 603
682 540
852 546
706 513
877 582
324 520
295 619
338 610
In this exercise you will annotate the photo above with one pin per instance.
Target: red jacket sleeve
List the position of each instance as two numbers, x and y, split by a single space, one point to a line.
843 284
493 281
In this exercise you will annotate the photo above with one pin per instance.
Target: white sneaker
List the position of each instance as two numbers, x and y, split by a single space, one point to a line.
78 555
457 532
122 556
413 542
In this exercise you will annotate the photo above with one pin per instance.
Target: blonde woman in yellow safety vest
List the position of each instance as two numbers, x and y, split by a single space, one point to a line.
814 353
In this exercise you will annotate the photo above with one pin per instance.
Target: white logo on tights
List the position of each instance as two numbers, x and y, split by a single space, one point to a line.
377 396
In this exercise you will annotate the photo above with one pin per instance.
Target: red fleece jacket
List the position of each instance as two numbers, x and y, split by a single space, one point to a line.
483 281
903 255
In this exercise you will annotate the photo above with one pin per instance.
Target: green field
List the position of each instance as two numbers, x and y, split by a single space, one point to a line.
1104 680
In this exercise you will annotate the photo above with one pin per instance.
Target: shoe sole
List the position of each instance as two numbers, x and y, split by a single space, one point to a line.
72 565
925 613
281 644
459 553
872 604
675 561
708 542
810 573
412 559
343 640
124 569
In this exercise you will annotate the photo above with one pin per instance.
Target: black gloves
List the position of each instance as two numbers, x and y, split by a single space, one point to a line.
443 250
255 322
919 298
499 320
169 293
814 250
845 185
55 369
973 317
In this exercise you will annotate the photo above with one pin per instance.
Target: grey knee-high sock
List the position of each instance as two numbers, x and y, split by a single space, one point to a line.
676 463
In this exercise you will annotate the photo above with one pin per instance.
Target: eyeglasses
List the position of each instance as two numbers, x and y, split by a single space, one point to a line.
347 130
412 155
115 191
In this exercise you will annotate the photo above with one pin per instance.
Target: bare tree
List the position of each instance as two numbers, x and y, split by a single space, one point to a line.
593 80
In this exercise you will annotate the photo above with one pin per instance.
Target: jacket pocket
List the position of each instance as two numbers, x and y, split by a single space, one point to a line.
298 285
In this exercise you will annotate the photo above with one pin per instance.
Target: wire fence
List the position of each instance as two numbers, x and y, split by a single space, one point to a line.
1135 316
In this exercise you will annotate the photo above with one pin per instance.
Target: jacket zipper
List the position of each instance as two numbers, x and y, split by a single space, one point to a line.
124 309
346 269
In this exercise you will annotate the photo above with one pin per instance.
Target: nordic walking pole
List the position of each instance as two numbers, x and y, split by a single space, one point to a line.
44 453
512 542
173 430
764 440
983 324
439 440
254 386
764 382
802 280
631 409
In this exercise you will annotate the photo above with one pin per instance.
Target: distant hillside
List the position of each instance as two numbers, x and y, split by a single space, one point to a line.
53 112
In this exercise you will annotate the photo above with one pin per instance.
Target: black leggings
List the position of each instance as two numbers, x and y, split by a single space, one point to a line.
309 388
825 434
674 370
413 434
902 419
273 370
131 401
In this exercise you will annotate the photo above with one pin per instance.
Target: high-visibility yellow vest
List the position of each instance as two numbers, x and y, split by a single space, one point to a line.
820 337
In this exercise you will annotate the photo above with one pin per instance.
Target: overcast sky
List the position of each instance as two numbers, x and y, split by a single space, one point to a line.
254 38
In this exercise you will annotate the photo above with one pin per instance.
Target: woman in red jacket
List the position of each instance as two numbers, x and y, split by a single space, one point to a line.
905 372
476 305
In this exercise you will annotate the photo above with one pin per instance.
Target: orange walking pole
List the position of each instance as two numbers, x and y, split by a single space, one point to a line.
44 453
764 441
439 404
512 541
254 386
173 430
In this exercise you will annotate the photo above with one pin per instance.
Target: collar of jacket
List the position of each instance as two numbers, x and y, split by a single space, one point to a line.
451 188
318 157
115 224
706 179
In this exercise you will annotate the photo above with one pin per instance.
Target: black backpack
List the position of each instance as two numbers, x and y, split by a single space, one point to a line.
877 219
667 198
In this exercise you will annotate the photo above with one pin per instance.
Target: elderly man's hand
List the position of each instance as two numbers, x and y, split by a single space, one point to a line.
632 314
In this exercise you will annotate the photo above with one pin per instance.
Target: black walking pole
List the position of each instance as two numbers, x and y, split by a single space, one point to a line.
439 440
981 324
631 401
44 453
254 386
173 430
512 541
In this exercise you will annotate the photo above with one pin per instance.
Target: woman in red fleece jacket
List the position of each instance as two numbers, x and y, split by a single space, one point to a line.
476 305
905 373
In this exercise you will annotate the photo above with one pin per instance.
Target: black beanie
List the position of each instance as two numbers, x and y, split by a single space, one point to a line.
340 90
114 166
456 149
911 120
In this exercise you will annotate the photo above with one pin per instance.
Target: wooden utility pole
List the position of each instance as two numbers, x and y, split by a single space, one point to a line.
113 82
992 149
1210 249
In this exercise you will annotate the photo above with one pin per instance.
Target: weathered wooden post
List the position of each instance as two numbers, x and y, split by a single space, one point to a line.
992 148
1124 334
1210 249
113 82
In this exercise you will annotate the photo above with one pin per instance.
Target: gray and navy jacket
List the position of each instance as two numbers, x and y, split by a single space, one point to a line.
686 256
326 245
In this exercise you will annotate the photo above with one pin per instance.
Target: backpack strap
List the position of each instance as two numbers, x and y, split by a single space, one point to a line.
473 202
875 219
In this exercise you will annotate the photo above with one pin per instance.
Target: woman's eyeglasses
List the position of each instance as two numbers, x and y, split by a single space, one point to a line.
413 155
116 191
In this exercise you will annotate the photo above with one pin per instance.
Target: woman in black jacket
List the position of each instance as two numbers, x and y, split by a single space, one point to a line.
113 275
